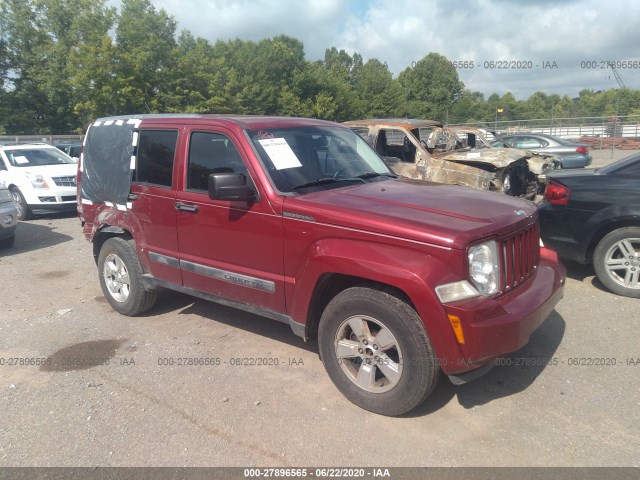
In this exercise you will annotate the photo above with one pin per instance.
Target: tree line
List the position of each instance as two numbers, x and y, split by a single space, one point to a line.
64 63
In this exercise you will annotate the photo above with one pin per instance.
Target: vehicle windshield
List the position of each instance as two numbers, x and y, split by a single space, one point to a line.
37 157
303 158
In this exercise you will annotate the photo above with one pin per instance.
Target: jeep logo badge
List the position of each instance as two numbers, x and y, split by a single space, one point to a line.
520 213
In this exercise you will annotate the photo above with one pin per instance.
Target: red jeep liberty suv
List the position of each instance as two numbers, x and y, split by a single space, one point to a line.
300 221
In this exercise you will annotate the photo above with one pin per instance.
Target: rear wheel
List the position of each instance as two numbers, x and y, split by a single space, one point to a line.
376 351
617 261
120 274
24 212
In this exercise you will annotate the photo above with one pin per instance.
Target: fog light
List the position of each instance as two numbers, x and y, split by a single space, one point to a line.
47 199
8 220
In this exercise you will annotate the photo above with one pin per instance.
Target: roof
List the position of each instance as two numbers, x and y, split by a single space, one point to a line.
18 146
396 122
245 121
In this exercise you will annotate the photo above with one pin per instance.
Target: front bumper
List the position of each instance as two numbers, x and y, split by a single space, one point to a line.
50 207
51 200
497 326
8 219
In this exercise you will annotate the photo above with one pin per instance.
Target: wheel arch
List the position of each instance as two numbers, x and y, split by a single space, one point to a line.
408 274
605 229
103 234
329 285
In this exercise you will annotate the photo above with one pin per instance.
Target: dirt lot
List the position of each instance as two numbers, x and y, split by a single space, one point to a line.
550 407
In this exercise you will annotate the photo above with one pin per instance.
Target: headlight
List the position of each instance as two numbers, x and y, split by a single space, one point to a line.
484 267
37 180
5 195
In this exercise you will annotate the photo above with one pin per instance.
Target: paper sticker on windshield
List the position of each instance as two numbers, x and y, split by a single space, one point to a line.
21 160
280 153
473 155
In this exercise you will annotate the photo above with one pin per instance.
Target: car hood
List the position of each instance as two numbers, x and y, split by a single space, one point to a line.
434 213
61 170
498 157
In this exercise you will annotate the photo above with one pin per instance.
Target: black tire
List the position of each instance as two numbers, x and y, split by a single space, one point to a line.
126 297
414 359
8 242
24 212
616 261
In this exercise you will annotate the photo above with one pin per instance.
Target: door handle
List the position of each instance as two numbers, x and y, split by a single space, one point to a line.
183 207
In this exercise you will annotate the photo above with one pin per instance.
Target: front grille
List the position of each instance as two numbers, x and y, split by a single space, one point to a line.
64 181
68 198
520 256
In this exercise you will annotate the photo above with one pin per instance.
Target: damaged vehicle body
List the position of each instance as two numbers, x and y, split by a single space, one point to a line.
429 151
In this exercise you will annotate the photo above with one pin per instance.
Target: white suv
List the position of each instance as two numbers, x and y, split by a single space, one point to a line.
41 178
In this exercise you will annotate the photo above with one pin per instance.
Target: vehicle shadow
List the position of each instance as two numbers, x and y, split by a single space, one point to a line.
512 374
168 301
249 322
34 236
579 272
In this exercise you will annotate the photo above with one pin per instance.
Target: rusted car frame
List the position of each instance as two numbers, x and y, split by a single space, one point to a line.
430 151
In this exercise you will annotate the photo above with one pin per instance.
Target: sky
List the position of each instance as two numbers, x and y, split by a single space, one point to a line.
554 46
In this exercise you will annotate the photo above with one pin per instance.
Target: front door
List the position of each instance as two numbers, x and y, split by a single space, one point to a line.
228 249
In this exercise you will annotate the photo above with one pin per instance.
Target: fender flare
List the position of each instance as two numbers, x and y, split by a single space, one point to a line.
414 272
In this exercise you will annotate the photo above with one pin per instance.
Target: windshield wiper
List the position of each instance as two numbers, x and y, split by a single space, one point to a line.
327 180
376 174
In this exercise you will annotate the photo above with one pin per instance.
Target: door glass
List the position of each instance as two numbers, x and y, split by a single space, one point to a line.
211 153
156 152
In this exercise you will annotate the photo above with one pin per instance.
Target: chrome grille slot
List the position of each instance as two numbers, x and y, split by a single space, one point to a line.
520 256
64 181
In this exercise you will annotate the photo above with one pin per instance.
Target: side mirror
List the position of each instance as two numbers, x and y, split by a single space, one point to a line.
230 186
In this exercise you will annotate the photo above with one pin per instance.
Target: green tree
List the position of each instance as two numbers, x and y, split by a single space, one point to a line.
42 37
378 94
468 108
143 57
431 87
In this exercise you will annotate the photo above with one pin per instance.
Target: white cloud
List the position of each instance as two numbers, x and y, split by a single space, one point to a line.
400 32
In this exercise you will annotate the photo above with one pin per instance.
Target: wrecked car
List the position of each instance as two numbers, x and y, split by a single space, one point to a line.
430 151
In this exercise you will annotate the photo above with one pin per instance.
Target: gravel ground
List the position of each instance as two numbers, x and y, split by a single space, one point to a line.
604 157
132 409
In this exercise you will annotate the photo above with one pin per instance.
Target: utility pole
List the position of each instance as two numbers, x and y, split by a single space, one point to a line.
622 85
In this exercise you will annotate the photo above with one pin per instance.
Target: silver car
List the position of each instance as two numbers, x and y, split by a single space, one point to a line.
8 218
571 154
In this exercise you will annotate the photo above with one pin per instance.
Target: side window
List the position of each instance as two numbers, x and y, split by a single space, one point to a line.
527 142
211 153
156 153
632 170
362 131
395 143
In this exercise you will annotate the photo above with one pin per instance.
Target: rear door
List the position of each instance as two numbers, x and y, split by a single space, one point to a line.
152 201
232 250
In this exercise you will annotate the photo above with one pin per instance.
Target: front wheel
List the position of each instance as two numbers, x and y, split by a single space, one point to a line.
120 275
616 261
24 212
376 351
